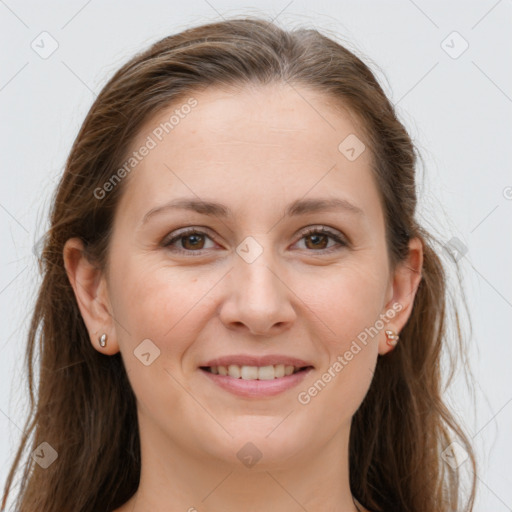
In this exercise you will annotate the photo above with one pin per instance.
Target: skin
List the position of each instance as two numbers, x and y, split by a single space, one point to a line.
254 150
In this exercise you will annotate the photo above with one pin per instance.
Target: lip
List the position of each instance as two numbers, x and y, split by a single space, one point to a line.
249 360
256 388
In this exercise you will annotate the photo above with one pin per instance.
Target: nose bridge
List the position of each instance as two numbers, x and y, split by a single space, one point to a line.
255 259
258 297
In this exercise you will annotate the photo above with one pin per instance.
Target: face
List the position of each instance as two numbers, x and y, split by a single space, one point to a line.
267 280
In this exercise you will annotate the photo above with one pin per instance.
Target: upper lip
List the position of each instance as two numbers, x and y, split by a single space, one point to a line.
249 360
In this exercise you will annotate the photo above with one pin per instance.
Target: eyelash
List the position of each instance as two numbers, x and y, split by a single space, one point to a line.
192 231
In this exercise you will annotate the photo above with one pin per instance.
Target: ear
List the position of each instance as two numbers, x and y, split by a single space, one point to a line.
402 291
91 295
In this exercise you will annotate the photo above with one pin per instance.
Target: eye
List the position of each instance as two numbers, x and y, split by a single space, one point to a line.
191 241
317 239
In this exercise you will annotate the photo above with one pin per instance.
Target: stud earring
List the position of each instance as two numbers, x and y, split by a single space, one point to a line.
392 338
103 340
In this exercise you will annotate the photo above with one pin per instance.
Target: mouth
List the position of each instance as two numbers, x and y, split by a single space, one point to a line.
256 382
268 372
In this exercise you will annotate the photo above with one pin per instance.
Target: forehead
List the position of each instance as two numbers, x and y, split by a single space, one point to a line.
267 144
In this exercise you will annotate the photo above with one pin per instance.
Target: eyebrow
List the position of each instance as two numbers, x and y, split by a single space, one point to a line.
297 207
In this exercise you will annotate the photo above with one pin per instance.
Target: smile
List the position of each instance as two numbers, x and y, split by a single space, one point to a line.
268 372
254 381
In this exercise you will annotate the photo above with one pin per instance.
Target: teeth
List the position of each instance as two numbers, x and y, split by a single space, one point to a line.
266 373
255 372
248 372
279 371
234 371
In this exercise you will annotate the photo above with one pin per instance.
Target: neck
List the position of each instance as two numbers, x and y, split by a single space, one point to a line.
317 478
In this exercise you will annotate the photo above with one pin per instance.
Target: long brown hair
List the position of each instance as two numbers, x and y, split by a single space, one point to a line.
85 408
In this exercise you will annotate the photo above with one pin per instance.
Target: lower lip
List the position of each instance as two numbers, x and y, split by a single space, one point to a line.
257 388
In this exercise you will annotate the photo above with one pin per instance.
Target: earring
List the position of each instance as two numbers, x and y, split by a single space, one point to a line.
392 338
103 340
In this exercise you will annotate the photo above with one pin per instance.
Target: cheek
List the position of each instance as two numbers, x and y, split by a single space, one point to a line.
348 304
162 304
165 306
347 299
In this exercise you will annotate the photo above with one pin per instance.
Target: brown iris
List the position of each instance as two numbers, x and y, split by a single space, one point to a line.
317 237
196 241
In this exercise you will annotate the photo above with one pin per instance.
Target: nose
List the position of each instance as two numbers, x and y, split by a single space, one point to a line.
257 298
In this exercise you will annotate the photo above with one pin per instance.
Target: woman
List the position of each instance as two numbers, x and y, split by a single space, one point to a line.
239 309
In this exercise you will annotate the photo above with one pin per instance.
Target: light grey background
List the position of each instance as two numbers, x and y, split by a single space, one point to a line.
458 111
